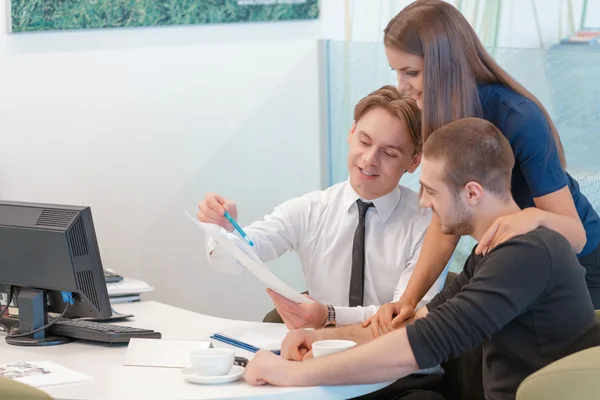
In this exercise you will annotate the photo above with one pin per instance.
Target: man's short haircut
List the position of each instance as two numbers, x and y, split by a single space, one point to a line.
398 105
472 149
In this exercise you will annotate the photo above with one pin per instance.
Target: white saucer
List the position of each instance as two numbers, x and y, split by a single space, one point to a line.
233 375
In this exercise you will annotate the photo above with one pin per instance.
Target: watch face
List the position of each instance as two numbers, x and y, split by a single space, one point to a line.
330 317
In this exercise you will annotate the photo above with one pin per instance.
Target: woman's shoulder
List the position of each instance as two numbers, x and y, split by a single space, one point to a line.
501 103
497 92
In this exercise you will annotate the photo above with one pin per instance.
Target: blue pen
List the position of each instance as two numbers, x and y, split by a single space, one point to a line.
236 343
238 228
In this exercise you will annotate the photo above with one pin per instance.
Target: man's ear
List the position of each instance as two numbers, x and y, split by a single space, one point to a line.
414 163
352 130
474 193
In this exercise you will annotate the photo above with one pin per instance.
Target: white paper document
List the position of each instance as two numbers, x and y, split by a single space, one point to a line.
161 352
242 252
41 373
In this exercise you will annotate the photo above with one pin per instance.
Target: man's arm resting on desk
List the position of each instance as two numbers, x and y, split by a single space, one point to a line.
385 359
381 360
297 344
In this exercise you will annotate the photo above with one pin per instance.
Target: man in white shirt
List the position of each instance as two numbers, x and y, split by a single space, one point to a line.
359 240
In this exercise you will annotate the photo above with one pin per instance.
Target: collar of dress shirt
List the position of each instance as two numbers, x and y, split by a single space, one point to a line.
384 205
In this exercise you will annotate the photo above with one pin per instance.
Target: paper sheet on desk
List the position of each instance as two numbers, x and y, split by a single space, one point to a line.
42 373
244 254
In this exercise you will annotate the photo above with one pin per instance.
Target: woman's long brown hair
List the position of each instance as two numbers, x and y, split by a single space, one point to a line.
455 61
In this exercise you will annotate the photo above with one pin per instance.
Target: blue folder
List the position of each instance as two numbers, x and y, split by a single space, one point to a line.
234 342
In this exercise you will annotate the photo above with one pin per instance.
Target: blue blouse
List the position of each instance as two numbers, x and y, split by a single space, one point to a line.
537 170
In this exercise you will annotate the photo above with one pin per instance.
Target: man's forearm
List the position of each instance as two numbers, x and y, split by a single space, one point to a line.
356 333
385 359
359 334
435 253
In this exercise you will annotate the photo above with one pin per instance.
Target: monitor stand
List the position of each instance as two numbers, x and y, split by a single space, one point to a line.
33 315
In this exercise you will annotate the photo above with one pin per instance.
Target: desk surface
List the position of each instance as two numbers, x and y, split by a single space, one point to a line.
113 381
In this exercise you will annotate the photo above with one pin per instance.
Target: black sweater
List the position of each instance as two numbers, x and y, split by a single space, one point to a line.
526 301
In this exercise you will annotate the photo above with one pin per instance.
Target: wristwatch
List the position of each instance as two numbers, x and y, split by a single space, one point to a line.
330 322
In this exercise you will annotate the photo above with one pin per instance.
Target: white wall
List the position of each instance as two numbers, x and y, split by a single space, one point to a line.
140 123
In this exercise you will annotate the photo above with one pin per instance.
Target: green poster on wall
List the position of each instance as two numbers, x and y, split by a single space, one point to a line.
48 15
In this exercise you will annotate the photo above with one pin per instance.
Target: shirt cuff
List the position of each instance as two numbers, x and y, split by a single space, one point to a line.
211 247
353 315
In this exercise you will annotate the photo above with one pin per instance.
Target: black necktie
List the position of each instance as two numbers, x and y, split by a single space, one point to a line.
357 279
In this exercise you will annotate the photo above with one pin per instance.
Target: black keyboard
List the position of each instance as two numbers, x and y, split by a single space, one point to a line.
99 332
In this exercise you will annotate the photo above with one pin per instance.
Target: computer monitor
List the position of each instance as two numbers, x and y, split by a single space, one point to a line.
50 262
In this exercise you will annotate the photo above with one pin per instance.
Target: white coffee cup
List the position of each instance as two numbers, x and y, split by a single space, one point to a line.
325 347
212 362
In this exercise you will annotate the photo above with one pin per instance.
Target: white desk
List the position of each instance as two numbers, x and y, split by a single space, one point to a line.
113 381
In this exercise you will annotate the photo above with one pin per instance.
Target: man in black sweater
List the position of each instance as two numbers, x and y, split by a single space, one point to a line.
526 299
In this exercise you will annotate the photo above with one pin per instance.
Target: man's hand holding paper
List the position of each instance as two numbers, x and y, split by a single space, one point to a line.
297 316
243 253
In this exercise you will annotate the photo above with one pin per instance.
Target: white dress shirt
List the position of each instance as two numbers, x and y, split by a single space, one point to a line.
320 226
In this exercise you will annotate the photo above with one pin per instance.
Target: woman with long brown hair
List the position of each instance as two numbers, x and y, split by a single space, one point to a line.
440 61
